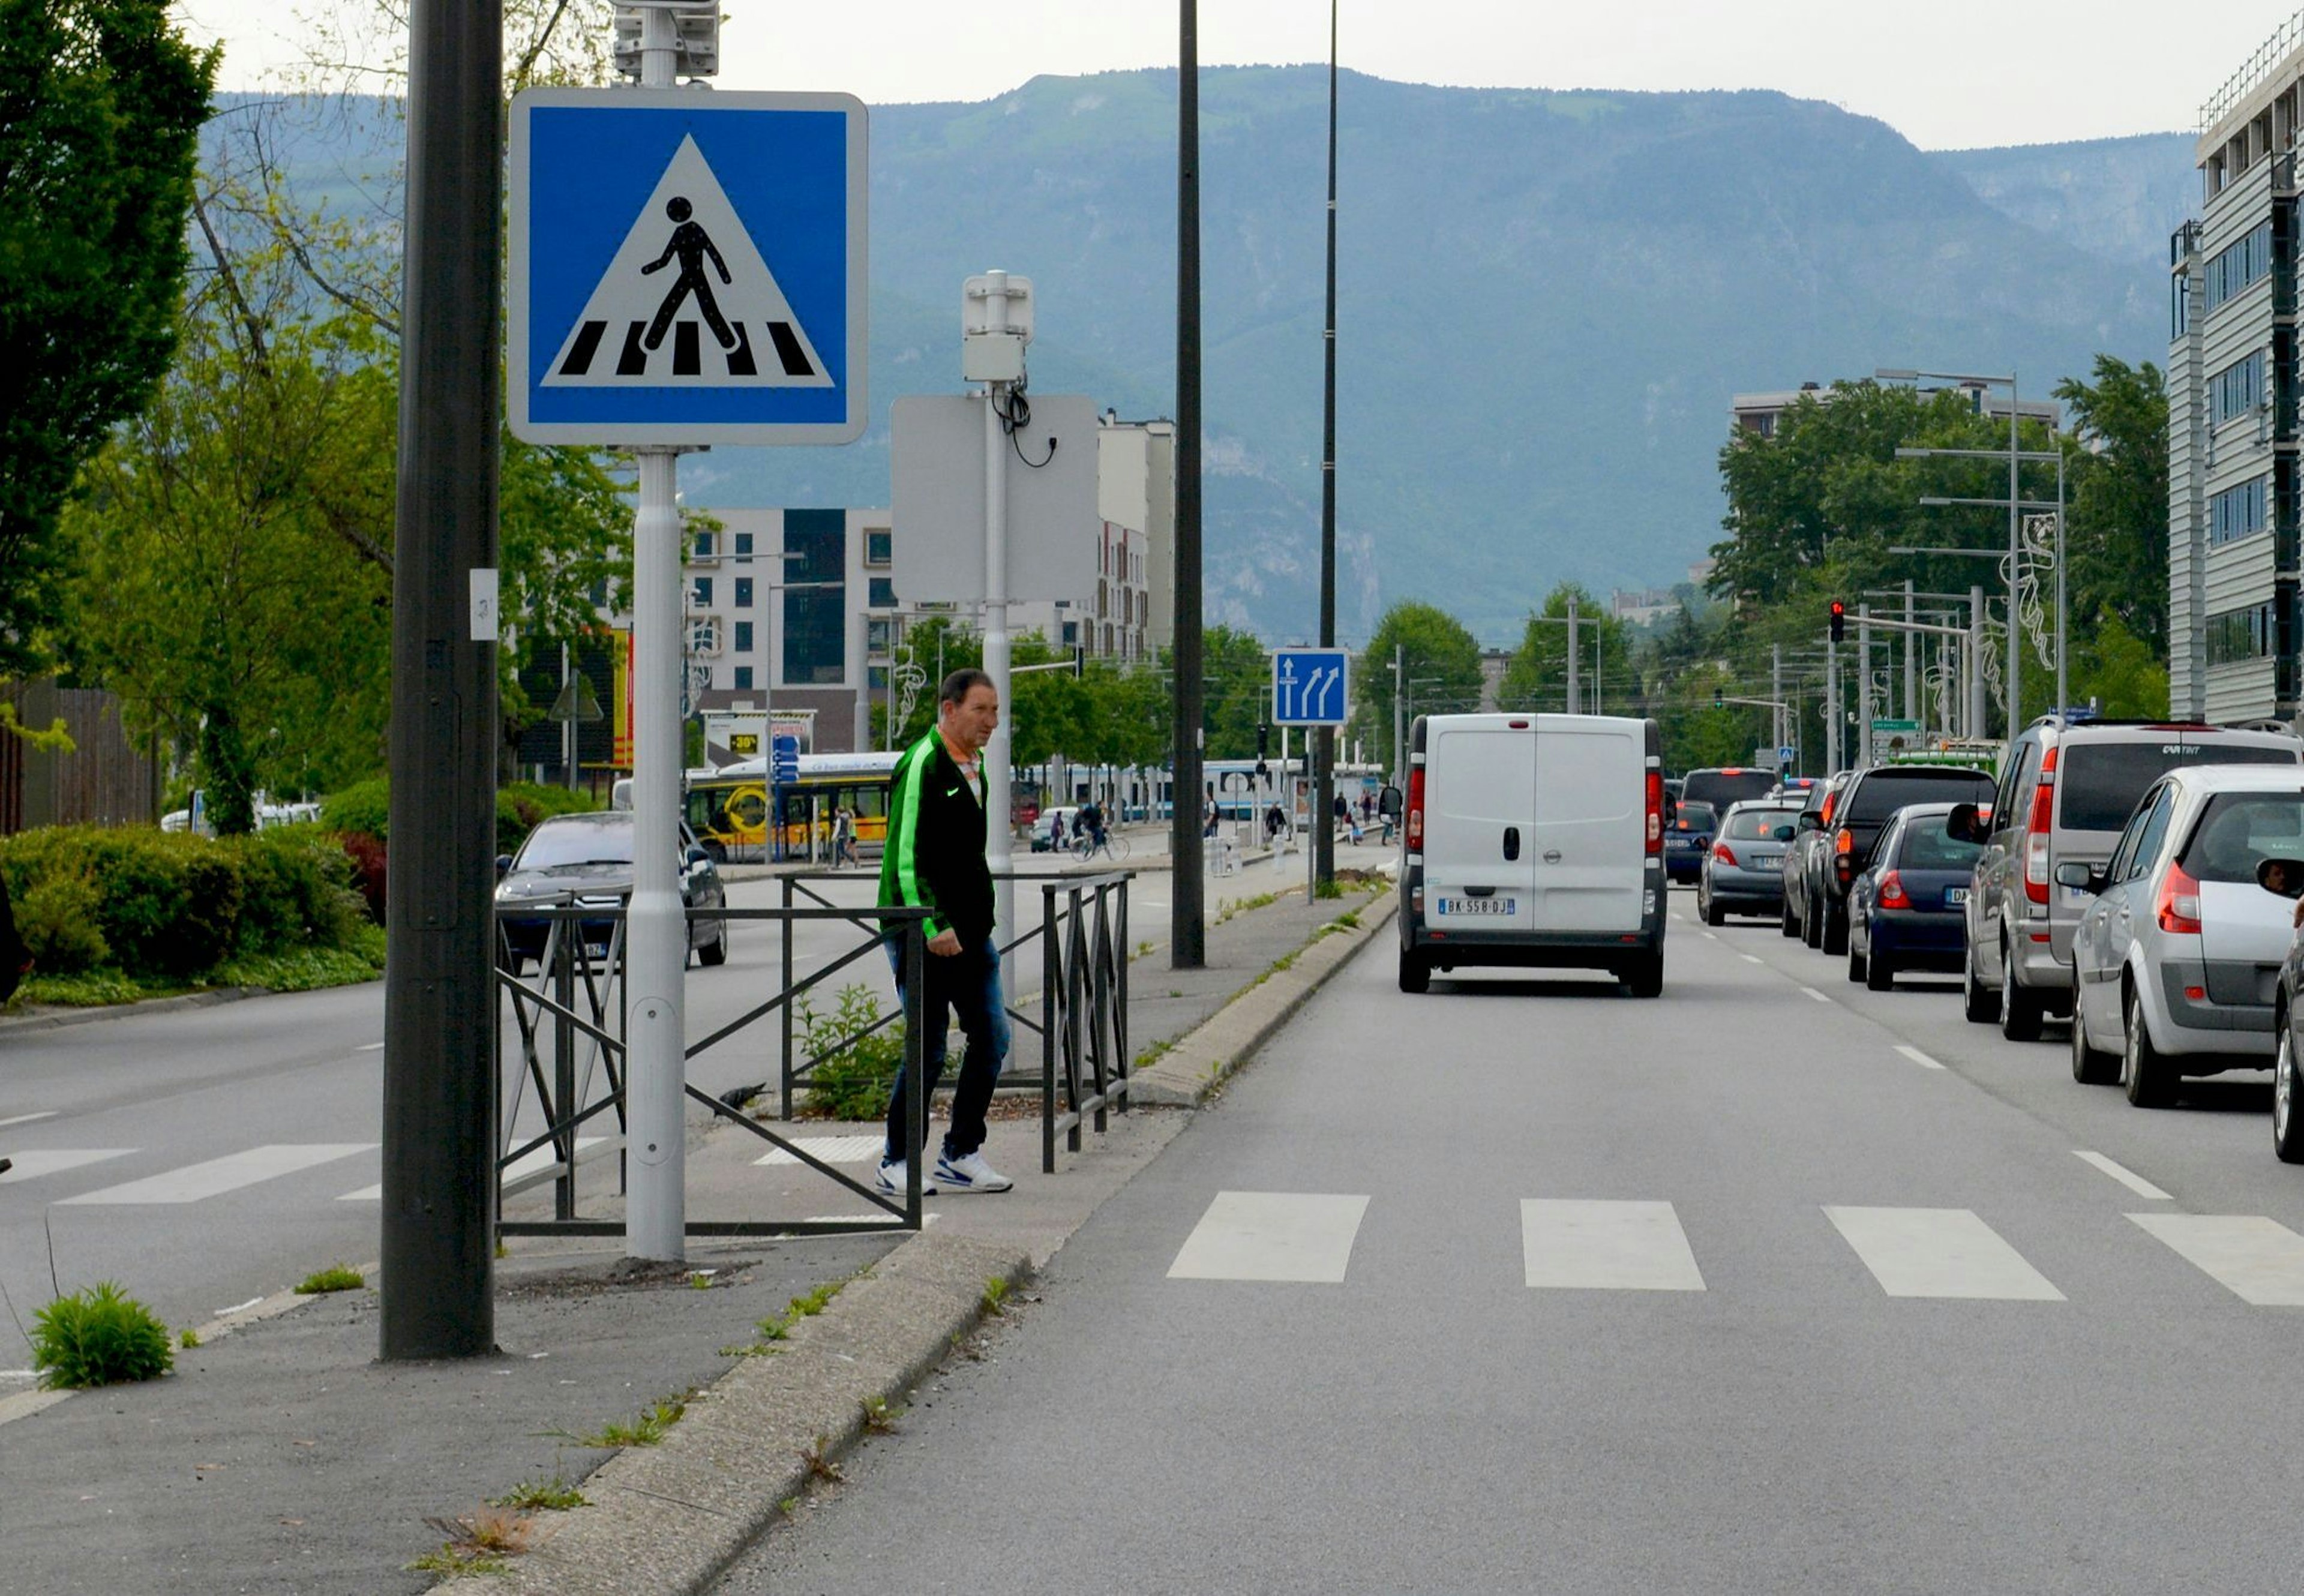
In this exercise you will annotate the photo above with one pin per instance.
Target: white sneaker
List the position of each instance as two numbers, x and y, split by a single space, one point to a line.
891 1179
970 1172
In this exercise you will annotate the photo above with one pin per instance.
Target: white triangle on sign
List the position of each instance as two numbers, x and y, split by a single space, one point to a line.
687 302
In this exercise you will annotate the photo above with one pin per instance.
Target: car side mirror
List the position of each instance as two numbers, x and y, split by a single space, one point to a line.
2091 878
1966 824
698 856
504 866
1388 803
2284 877
1808 822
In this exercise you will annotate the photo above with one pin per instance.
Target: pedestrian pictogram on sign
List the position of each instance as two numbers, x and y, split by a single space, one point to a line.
687 267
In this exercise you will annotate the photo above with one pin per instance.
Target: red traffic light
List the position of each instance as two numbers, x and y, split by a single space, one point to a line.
1838 620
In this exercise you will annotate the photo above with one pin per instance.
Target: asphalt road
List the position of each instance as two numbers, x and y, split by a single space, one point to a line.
1526 1286
206 1158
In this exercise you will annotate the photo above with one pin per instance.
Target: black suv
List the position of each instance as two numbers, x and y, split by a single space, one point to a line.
1862 811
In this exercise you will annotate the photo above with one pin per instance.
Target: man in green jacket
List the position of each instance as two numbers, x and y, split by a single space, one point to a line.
934 860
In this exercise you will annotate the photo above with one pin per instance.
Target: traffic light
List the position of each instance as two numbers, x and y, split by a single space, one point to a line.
1718 701
1263 740
1839 621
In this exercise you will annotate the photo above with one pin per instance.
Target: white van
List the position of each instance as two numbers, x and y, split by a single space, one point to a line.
1533 840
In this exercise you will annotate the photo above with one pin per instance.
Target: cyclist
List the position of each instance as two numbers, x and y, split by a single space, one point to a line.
1090 822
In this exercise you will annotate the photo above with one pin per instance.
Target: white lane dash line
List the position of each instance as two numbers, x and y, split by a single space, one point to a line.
1919 1057
1712 936
1751 958
1812 992
369 1048
27 1118
2126 1177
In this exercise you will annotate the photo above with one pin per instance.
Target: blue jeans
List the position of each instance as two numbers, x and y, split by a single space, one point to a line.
968 983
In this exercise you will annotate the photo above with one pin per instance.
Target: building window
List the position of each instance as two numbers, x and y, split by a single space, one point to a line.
881 593
743 678
743 593
815 615
704 546
879 547
876 636
2237 389
2240 264
701 591
743 546
2240 634
877 675
1071 633
2239 512
744 637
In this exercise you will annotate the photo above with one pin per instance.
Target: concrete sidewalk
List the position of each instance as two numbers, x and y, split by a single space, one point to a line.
281 1457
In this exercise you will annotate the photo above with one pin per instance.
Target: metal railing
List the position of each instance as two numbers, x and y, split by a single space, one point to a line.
2284 40
1082 1013
570 1028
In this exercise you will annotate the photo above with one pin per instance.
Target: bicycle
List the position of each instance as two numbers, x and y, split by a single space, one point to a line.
1113 845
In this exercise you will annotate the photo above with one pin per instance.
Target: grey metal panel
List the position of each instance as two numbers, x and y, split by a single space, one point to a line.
2241 691
2237 573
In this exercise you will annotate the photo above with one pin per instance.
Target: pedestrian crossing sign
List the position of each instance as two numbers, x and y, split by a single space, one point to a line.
686 268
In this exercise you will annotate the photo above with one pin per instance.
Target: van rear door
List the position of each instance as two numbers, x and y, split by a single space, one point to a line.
1590 843
1480 798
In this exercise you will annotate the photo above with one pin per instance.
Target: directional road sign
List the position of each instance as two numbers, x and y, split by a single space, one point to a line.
686 268
1307 686
783 761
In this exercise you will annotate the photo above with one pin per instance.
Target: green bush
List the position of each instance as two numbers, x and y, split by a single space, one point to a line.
98 1338
852 1081
364 806
57 921
297 891
524 805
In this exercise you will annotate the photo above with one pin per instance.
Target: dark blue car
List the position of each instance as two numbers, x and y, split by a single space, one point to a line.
1906 908
1690 839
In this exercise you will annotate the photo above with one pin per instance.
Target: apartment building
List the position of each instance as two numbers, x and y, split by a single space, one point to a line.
2232 375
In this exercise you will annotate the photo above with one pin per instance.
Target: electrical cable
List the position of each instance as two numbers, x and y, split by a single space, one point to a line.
1017 416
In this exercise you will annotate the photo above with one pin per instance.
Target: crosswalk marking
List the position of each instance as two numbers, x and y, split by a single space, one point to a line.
829 1149
2126 1177
219 1176
1272 1236
54 1160
1605 1246
1939 1252
522 1171
27 1118
2260 1261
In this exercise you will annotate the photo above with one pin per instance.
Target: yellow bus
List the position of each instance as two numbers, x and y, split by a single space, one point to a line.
728 808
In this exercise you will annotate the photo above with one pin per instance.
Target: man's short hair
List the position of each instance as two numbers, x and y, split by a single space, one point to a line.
958 686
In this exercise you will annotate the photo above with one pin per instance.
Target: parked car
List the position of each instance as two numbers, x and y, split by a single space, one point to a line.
2180 954
1875 794
1533 840
1809 835
2064 793
1689 843
1744 872
1906 909
585 860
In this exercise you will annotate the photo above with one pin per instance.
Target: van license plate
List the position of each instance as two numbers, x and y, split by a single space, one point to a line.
1956 895
1480 905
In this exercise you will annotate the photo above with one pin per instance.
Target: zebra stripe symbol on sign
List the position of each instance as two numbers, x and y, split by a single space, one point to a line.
687 273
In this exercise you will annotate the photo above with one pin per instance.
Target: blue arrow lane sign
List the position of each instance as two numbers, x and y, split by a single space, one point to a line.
1309 686
686 268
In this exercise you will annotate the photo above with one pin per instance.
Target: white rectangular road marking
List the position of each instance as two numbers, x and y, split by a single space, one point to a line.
2126 1177
1939 1252
829 1149
1605 1246
1712 936
54 1160
1272 1236
531 1162
1919 1057
2260 1261
26 1119
1812 992
369 1048
1751 958
218 1176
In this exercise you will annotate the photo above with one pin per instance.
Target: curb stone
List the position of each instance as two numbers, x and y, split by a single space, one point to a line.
51 1018
1191 1072
675 1516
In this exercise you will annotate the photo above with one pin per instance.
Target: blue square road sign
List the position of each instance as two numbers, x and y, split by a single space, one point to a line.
1309 686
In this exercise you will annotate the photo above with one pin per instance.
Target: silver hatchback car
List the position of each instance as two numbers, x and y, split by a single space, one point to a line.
1743 873
2178 955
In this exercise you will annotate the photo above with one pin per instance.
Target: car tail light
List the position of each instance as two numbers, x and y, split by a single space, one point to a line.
2178 908
1720 852
1830 801
1892 892
2036 831
1414 830
1656 811
1843 850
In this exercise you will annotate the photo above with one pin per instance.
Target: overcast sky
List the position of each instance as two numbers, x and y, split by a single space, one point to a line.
1947 75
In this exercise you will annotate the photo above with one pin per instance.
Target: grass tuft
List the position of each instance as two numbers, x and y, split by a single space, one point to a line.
555 1495
337 1278
98 1338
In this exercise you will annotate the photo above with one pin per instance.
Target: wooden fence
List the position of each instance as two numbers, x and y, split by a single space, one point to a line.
105 780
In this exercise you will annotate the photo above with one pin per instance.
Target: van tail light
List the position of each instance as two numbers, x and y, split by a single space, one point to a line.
1655 812
1892 892
1414 830
2036 831
1720 850
2178 908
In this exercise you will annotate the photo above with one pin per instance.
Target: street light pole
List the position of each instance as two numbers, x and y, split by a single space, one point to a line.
1324 836
1188 934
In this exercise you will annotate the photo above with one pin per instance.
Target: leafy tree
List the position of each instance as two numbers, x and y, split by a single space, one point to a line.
1436 652
1537 676
2116 495
100 104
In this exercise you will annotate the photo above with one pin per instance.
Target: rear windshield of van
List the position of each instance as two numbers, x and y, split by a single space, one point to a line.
1726 787
2239 831
2102 781
1762 825
1882 794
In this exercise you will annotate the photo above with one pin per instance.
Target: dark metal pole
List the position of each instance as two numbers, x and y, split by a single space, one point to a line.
1188 937
1323 757
439 1002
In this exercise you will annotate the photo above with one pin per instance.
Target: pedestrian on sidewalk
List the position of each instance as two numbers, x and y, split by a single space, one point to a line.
934 860
843 837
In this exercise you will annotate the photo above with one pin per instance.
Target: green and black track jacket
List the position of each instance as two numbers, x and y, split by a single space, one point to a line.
934 854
